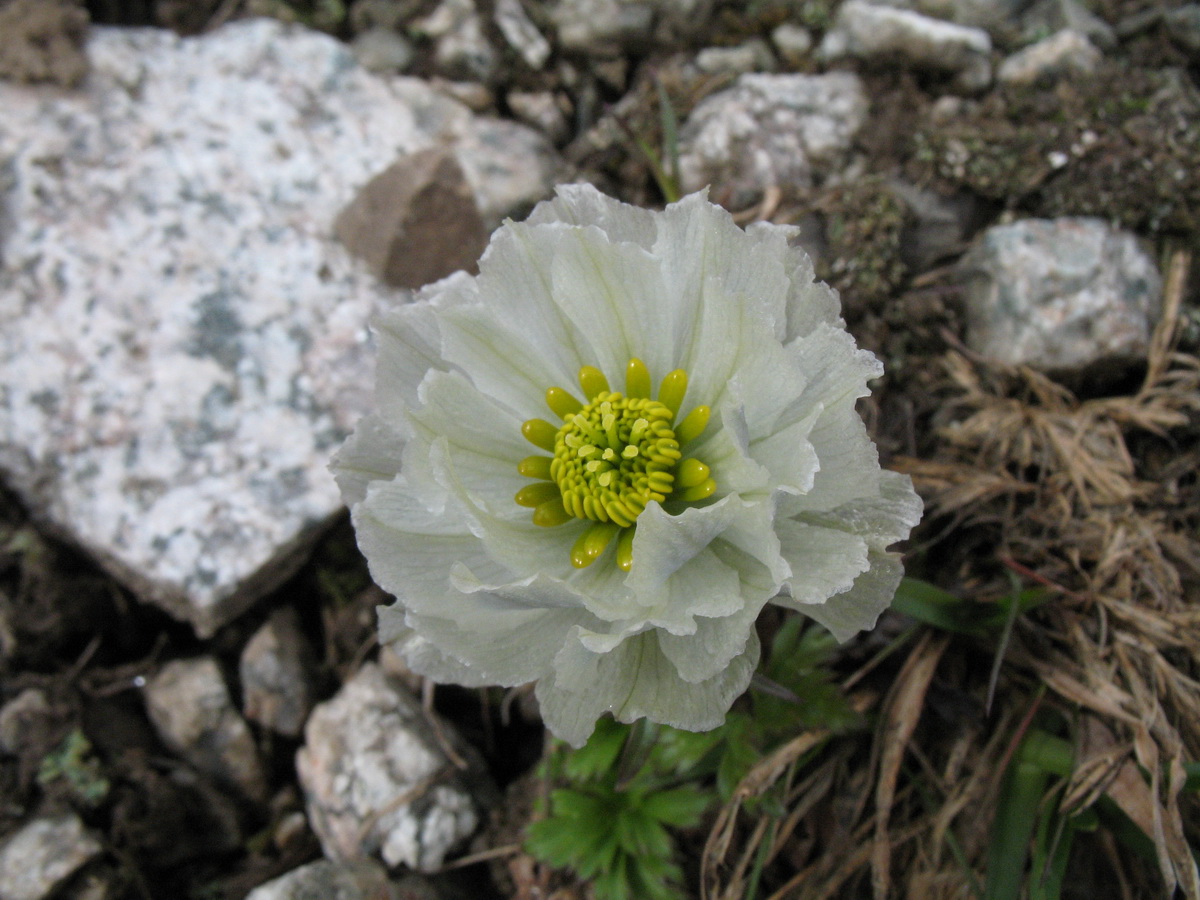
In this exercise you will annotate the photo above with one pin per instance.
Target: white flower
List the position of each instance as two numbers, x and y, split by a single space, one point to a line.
645 606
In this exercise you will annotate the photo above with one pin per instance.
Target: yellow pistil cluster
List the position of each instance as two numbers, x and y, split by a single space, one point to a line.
613 455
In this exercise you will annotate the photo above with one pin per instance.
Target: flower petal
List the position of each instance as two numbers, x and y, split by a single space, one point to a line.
851 611
634 681
482 441
409 343
371 453
582 204
824 562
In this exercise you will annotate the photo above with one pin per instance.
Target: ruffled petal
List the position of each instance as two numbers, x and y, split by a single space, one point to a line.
882 519
858 608
582 204
408 338
824 562
371 453
635 681
482 441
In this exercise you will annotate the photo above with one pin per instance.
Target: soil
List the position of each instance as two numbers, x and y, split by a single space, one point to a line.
979 441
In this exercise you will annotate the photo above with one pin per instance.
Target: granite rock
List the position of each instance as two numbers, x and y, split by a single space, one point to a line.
1060 294
377 781
770 131
884 35
191 710
462 49
21 715
182 340
42 40
40 856
1050 16
752 56
382 50
603 27
1064 53
792 43
522 35
325 880
277 670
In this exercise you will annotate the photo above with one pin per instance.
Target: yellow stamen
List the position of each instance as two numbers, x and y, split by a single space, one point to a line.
534 495
540 433
690 472
535 467
637 379
672 389
625 550
561 402
693 424
593 382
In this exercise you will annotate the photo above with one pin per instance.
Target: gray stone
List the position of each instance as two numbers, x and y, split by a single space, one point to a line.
415 222
21 715
1060 294
521 34
462 49
277 672
377 780
191 710
883 34
752 56
1048 16
325 880
389 14
602 27
40 856
792 43
1064 53
510 166
541 110
382 50
937 226
182 339
1183 24
770 131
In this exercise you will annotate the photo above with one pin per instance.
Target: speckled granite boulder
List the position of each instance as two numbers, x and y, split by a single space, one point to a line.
1060 294
377 781
770 131
40 856
182 340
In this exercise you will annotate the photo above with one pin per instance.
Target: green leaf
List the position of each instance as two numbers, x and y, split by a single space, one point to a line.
933 606
681 807
599 755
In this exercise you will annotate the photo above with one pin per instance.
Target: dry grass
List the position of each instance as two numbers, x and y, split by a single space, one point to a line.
1096 500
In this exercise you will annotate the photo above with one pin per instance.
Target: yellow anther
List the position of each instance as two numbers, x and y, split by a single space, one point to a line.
693 424
690 472
625 550
637 379
535 467
551 513
534 495
592 543
701 491
562 402
672 389
629 452
592 381
540 433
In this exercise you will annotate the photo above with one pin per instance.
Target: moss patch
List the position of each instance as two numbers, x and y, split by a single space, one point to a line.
1124 146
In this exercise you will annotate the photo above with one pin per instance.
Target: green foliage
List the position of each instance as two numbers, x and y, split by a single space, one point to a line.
933 606
73 763
612 826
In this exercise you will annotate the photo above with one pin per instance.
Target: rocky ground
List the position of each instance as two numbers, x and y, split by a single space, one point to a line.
197 217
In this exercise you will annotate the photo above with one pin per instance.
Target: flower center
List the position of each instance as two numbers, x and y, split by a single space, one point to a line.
612 456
